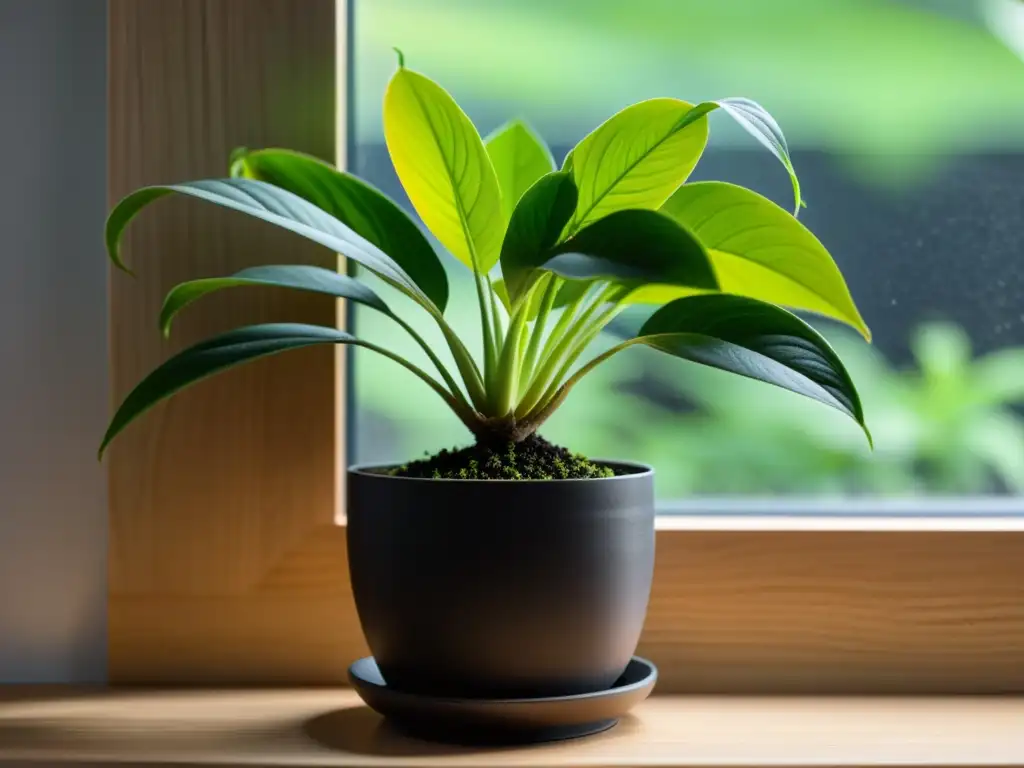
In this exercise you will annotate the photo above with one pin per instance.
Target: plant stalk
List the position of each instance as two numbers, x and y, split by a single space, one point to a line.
551 360
487 332
537 333
465 363
507 384
581 344
453 385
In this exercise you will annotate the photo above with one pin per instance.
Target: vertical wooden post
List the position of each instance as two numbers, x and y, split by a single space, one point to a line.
225 561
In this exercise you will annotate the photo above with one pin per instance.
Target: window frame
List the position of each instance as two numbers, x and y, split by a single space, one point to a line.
211 584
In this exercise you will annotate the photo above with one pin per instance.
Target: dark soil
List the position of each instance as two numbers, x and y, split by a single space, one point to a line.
532 459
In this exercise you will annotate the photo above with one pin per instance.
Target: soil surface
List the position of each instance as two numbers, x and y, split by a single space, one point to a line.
532 459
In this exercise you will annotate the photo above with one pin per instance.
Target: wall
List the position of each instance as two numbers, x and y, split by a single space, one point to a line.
53 345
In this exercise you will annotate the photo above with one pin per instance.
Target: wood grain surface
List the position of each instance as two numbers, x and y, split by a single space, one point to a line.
330 727
217 493
838 611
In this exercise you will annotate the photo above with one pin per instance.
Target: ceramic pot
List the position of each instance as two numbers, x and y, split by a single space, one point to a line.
490 589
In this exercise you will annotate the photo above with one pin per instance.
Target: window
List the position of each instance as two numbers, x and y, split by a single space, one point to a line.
226 564
906 121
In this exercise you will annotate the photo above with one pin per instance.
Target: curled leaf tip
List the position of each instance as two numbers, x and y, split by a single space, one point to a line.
401 57
236 162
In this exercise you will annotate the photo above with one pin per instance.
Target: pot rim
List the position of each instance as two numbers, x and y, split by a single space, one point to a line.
637 471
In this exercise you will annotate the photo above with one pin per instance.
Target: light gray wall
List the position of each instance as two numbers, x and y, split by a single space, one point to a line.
53 347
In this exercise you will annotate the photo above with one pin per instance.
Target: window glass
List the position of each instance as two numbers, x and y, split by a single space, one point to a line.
906 123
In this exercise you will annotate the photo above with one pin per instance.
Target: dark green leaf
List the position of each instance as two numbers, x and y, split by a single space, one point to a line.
302 278
212 356
634 248
358 205
535 227
519 157
756 340
235 347
276 206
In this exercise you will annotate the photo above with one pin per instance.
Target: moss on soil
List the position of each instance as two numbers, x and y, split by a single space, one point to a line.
532 459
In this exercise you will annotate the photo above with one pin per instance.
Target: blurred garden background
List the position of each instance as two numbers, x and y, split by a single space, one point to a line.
906 123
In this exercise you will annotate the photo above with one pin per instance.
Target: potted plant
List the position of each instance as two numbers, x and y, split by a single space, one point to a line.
514 570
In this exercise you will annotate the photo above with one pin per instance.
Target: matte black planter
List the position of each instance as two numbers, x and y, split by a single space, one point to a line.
489 589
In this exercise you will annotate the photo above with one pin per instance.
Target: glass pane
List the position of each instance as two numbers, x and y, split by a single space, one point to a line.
906 121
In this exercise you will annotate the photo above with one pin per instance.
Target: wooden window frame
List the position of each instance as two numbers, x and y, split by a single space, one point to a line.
227 564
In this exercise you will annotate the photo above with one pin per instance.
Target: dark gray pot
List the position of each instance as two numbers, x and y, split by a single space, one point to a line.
501 589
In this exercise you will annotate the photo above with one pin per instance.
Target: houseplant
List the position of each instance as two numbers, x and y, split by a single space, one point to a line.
513 568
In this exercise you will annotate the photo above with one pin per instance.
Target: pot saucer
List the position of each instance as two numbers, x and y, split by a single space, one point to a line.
503 721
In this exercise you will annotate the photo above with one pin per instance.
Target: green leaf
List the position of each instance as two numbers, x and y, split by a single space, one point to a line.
358 205
757 340
633 248
444 168
519 157
212 356
756 120
298 277
276 206
636 158
758 250
535 227
227 350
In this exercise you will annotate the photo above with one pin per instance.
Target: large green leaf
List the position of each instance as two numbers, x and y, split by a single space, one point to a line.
750 338
633 248
226 351
535 227
758 250
296 277
368 211
276 206
519 157
443 165
636 158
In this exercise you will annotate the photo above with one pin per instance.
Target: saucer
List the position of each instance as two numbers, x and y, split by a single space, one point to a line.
503 721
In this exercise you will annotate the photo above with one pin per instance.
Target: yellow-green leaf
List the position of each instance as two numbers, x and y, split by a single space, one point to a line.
637 158
520 157
758 250
443 165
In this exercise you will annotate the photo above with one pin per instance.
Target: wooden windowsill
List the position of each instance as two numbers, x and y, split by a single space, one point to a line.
314 727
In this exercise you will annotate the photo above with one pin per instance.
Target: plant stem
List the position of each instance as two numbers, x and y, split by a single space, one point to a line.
507 375
550 361
466 415
453 385
464 361
537 333
487 332
563 323
580 345
539 414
